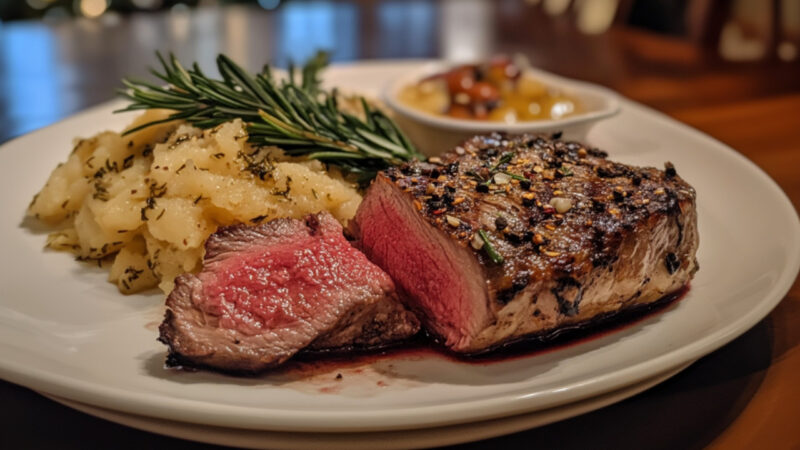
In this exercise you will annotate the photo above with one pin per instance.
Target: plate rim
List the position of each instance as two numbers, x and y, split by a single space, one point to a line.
400 439
197 411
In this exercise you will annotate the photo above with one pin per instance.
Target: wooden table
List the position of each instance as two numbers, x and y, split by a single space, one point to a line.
745 395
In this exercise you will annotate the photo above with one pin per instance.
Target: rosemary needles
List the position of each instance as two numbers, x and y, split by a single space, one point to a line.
296 115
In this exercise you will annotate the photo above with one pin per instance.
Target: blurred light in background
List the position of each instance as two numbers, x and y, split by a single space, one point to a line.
596 16
179 8
467 30
38 4
735 30
758 30
269 4
91 8
408 27
307 26
556 7
147 4
27 59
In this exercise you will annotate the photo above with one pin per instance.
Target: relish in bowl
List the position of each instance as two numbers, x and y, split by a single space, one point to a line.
498 90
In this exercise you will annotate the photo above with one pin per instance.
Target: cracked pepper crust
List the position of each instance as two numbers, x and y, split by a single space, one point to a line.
549 209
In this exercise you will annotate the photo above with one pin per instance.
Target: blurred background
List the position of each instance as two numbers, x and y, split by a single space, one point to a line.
59 56
730 68
742 29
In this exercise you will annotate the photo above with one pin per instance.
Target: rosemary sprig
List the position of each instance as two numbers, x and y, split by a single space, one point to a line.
297 116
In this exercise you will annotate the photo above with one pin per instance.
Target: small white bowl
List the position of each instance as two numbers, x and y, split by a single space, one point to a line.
434 134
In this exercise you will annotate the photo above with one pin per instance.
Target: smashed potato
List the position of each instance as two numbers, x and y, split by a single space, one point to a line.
150 199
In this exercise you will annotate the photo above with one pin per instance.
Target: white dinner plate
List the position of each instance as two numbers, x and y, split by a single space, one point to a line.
66 332
385 440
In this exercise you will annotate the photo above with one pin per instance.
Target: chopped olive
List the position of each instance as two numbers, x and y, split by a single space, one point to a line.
525 184
483 188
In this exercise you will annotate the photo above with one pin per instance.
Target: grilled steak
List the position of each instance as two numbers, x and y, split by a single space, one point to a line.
507 237
269 291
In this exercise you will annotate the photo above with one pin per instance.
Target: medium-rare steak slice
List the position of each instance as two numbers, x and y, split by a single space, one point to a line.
269 291
506 237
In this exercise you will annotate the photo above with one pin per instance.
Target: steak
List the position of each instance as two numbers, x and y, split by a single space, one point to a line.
506 237
270 291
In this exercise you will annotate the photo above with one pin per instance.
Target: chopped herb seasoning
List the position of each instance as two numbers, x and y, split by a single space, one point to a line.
179 140
285 192
258 164
519 178
489 248
127 163
100 191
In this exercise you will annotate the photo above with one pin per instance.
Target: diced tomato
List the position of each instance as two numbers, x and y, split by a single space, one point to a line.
460 79
483 92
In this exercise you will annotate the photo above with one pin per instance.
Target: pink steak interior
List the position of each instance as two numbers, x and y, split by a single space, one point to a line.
443 280
298 279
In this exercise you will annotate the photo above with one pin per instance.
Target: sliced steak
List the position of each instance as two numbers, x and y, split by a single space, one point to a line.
507 237
269 291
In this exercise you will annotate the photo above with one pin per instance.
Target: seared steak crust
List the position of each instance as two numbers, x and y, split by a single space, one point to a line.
571 235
